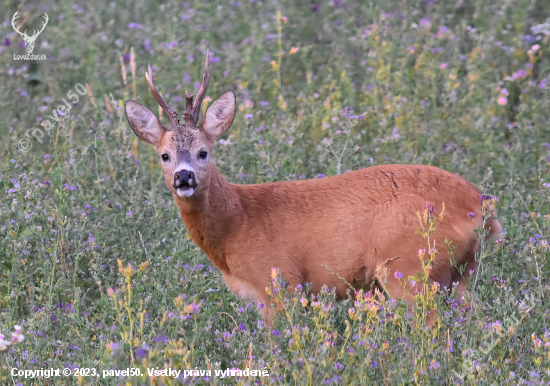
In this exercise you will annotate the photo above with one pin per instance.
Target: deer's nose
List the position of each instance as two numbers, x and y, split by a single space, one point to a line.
184 179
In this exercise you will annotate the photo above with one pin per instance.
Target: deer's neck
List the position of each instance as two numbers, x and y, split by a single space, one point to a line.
211 216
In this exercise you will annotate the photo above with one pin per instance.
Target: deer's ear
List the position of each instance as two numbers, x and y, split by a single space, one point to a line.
219 116
145 123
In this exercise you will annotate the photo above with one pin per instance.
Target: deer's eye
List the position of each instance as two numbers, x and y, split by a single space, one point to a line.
203 154
165 157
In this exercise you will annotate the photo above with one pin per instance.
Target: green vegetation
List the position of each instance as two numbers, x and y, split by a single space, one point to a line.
97 268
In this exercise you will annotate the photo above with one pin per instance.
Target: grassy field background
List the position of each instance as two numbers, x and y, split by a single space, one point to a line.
97 269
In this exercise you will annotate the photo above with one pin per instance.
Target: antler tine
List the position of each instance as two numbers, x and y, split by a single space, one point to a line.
188 114
171 115
203 88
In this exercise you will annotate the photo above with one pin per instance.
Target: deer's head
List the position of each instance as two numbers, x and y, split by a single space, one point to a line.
29 40
184 148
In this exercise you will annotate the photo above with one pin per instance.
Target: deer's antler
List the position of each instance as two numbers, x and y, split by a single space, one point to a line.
172 116
202 89
188 113
192 110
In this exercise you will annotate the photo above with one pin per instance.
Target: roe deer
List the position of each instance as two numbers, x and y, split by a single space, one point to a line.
318 231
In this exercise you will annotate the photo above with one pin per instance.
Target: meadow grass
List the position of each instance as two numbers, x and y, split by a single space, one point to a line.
96 266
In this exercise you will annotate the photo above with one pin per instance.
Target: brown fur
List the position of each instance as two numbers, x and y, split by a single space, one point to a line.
352 224
320 231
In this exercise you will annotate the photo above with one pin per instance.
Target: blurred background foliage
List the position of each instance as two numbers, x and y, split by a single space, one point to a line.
322 87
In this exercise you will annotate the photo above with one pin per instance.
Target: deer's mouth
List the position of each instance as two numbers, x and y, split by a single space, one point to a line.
185 191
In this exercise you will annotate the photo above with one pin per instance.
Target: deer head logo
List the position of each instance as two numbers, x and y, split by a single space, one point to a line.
29 40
